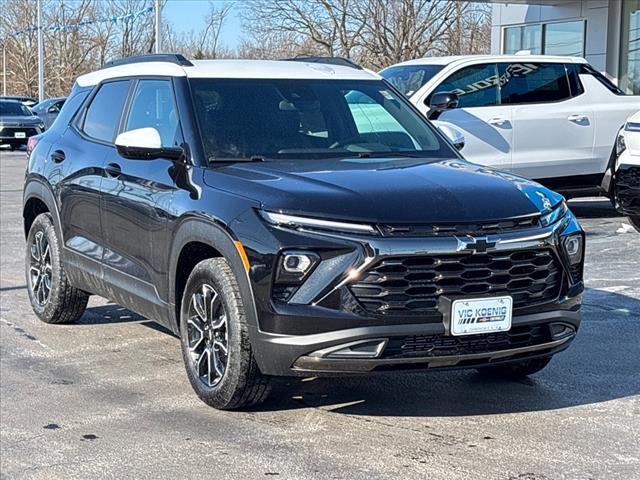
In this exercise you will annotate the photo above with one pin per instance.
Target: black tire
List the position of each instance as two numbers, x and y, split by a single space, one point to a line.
634 220
240 383
520 369
60 302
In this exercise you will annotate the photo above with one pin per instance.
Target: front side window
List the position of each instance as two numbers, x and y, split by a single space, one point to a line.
103 115
476 86
533 83
153 106
410 78
307 119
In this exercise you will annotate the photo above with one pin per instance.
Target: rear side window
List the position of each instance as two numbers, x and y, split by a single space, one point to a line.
153 106
476 86
573 74
533 83
103 115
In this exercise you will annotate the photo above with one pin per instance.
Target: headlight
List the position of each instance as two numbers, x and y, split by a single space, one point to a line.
295 221
574 248
555 215
621 146
41 126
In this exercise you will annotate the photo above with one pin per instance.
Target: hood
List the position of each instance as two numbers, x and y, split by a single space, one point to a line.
385 190
20 120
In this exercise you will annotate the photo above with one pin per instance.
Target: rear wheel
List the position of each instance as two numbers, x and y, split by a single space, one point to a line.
516 369
52 298
215 340
635 221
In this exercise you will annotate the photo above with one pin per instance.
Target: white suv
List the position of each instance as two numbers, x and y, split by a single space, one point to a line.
546 118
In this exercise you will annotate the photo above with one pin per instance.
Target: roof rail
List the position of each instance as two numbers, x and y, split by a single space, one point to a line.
341 61
176 58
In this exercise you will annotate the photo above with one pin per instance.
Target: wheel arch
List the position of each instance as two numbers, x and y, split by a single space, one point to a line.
196 239
37 198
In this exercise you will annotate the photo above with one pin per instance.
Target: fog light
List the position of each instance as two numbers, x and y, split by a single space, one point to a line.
297 262
573 246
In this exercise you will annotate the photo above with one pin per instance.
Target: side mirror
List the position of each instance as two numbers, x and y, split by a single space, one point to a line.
145 144
455 136
441 101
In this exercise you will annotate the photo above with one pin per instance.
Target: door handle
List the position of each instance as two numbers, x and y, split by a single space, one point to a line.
113 170
58 156
577 118
498 121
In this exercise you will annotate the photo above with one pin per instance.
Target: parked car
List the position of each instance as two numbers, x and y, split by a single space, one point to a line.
26 101
622 180
17 124
546 118
48 110
250 208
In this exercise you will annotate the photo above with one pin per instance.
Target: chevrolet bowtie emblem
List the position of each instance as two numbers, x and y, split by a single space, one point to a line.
476 245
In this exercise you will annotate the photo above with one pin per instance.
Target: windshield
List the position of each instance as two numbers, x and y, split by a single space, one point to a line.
410 78
305 119
14 109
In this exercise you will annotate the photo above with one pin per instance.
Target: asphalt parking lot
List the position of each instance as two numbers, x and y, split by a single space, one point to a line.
109 398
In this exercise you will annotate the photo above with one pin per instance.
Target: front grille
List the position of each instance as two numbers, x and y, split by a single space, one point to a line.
441 345
628 188
473 229
401 286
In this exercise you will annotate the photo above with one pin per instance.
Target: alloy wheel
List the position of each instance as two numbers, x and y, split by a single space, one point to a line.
208 336
40 271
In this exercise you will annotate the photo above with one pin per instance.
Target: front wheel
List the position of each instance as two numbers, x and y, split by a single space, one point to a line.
517 369
635 221
215 339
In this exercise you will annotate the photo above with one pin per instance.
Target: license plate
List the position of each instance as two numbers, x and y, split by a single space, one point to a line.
20 135
481 315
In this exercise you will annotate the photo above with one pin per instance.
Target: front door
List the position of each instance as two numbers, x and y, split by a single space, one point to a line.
136 199
485 123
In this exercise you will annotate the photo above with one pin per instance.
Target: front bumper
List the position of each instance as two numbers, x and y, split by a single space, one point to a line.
324 354
8 133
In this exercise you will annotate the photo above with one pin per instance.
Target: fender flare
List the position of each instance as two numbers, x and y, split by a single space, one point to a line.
36 188
210 232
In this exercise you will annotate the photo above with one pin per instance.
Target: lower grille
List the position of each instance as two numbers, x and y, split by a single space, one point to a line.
441 345
412 285
11 131
628 188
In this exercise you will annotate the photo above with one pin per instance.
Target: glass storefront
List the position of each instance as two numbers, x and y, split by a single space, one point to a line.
630 47
556 38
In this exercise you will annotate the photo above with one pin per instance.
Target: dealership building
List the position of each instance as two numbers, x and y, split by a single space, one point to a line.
605 32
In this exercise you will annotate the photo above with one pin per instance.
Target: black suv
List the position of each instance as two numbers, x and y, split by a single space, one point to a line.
292 218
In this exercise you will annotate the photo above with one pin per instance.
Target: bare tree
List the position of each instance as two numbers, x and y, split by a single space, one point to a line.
328 26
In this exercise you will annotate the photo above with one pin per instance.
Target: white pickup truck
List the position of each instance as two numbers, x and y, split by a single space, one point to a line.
548 118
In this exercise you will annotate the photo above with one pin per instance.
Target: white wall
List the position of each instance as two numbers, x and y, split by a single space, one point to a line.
595 12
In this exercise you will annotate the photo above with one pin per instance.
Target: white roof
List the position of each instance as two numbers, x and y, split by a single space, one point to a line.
491 58
231 69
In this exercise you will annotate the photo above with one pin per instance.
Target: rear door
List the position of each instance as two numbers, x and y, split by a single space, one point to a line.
553 121
76 167
486 124
136 201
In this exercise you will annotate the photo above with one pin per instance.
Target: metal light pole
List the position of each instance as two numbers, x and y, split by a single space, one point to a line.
157 12
40 55
4 68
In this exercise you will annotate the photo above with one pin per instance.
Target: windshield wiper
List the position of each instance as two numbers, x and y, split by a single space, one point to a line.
390 155
252 158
